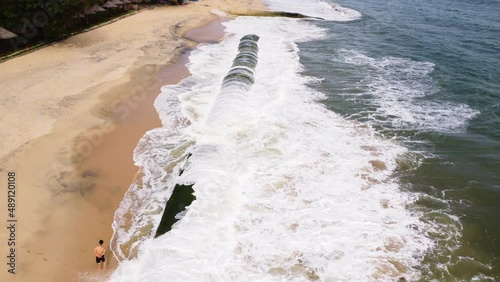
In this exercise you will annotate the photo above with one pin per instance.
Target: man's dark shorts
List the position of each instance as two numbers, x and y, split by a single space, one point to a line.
101 259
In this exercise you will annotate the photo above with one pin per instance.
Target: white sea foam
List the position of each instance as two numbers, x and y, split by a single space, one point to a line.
285 189
398 87
315 8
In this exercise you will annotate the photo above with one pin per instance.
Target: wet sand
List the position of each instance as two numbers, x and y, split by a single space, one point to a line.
109 169
98 86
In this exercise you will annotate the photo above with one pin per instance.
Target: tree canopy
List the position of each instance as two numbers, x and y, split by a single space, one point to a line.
39 18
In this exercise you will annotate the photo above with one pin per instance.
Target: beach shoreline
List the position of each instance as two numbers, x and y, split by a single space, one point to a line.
73 112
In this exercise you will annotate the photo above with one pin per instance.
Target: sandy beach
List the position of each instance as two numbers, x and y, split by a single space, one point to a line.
71 115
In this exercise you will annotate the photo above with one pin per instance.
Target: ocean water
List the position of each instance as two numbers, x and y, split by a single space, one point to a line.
367 149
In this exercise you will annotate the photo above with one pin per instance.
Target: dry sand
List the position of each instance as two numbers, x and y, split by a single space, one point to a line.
70 117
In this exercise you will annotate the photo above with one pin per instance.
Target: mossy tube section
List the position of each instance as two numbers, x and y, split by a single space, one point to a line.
181 197
274 14
238 81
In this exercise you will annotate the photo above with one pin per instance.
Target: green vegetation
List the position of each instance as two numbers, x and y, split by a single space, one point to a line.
38 22
38 18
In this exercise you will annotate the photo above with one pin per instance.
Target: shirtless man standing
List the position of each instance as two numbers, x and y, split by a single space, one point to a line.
99 255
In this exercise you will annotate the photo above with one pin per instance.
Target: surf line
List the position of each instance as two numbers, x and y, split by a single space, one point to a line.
237 82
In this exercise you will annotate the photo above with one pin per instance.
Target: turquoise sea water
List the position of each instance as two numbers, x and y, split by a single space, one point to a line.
398 177
426 74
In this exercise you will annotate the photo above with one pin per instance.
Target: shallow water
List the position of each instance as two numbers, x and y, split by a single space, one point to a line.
426 76
366 150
